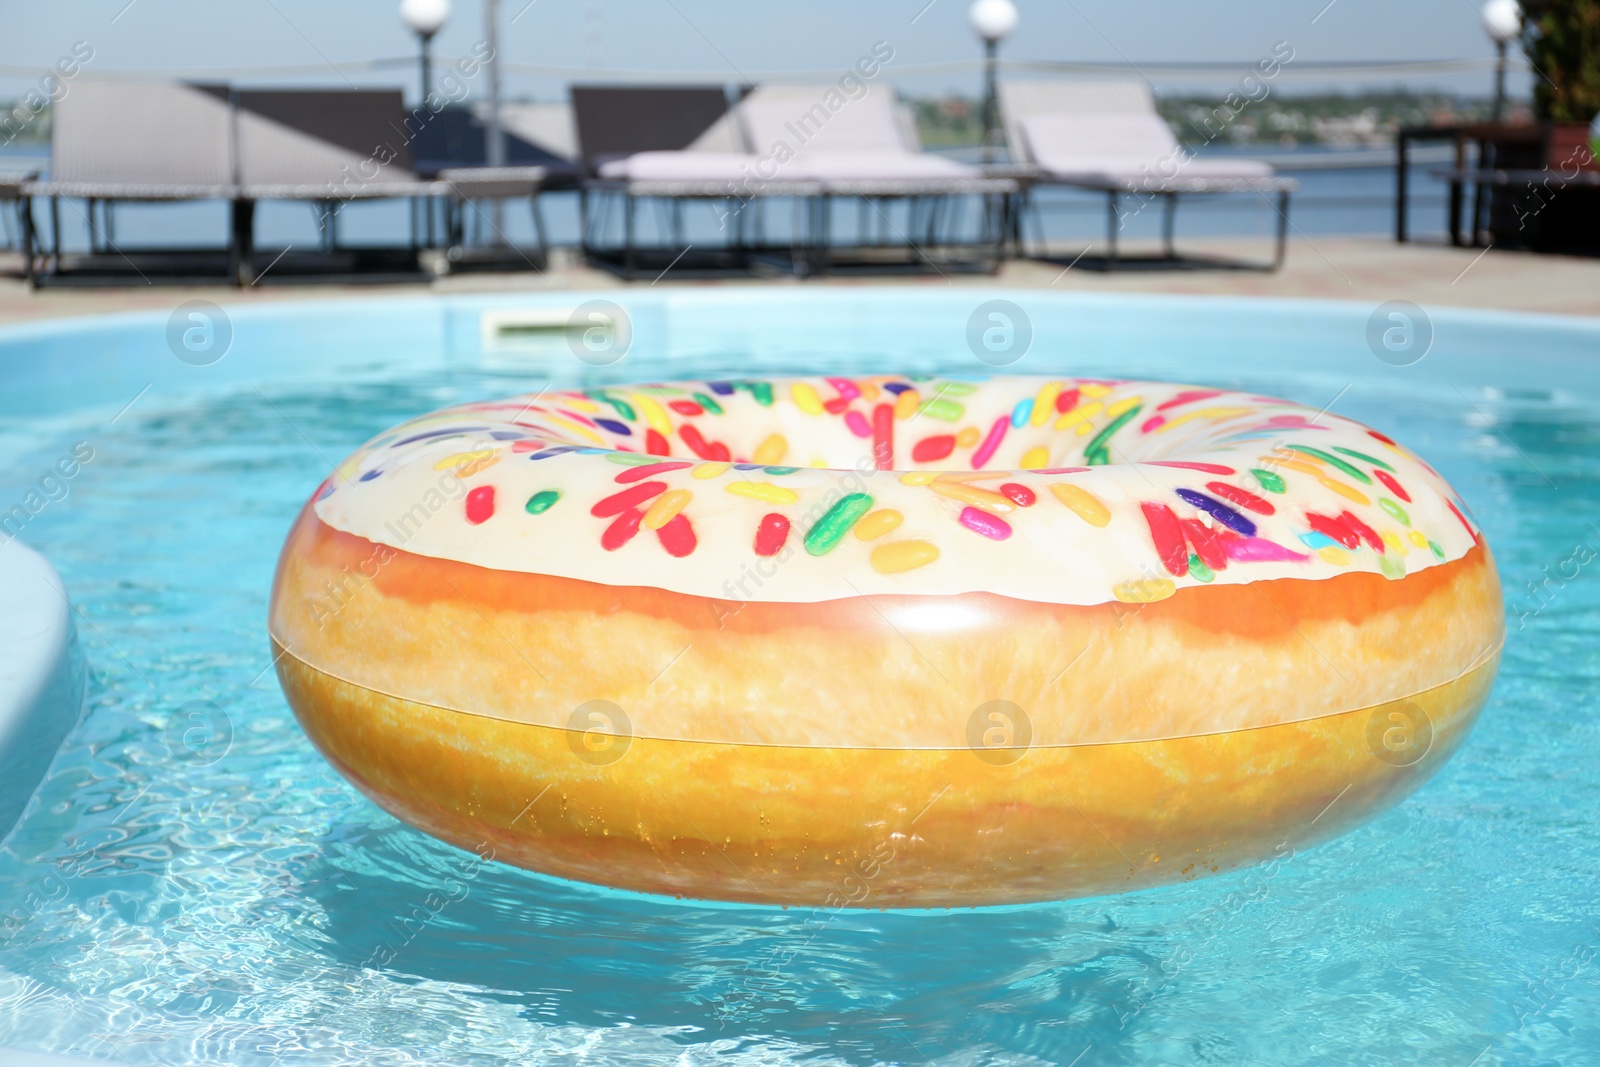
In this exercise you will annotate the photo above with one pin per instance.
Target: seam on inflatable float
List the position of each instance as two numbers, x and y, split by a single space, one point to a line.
1482 661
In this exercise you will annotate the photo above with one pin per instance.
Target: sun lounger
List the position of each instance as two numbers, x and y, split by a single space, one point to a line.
157 141
1108 136
786 141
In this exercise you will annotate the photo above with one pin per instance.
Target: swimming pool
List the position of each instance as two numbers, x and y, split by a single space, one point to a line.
192 883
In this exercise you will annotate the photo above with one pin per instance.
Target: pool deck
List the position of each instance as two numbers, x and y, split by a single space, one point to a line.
1334 268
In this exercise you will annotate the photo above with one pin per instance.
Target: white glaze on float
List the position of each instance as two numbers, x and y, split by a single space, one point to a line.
417 499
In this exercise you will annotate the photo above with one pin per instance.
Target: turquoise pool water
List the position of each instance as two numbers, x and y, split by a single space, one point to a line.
193 884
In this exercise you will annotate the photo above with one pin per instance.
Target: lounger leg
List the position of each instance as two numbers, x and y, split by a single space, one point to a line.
25 216
583 221
1283 230
1112 220
539 235
627 235
55 232
241 241
824 234
1170 209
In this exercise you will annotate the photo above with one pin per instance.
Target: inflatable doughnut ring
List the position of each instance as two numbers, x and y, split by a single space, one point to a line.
889 641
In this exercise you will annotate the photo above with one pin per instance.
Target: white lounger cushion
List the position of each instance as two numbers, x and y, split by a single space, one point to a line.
799 120
681 167
1119 147
876 166
839 167
797 138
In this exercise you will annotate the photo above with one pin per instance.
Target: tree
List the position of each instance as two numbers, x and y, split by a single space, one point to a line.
1562 38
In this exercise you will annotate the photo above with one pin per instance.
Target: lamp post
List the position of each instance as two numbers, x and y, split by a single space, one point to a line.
495 135
1502 21
992 20
424 18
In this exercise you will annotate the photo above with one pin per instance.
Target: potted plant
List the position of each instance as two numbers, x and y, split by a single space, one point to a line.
1562 40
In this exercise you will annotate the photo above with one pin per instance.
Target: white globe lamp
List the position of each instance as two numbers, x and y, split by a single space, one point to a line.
993 21
1502 21
424 18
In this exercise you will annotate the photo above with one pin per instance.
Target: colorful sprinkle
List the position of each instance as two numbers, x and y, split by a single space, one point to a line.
1363 531
991 443
1393 486
630 497
1097 452
1044 402
1204 468
1242 497
480 504
1260 550
943 410
1020 413
966 437
1019 494
990 526
653 414
676 536
825 535
1144 590
1188 396
933 449
666 508
1035 458
1334 529
857 424
1343 466
1267 480
711 470
1078 415
883 437
806 398
622 407
1207 545
906 404
1219 511
621 531
542 501
765 491
771 534
1376 462
900 556
1083 503
971 495
878 523
655 444
1167 533
772 450
697 443
650 470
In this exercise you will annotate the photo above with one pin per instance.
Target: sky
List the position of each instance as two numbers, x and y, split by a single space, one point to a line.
733 40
